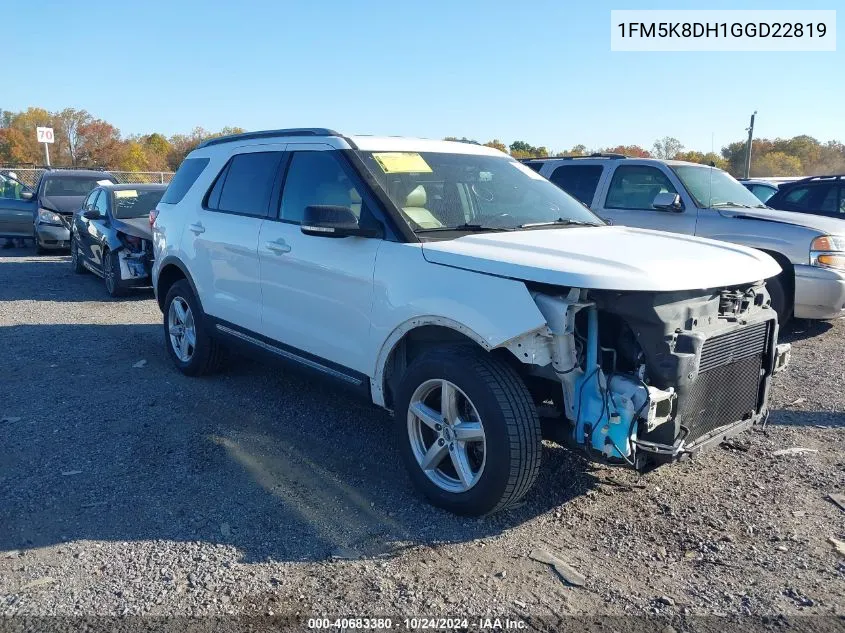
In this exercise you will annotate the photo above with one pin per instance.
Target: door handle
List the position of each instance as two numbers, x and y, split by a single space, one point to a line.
278 246
197 228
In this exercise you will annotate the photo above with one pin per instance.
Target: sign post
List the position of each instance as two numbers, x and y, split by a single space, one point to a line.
45 135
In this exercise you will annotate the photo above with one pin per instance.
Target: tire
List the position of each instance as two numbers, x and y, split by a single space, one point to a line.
75 258
206 353
39 250
511 444
780 301
111 274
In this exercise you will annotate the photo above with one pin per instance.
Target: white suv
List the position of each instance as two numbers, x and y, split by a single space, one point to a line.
453 285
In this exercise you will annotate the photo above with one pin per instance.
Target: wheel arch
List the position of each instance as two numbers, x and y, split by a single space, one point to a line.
171 271
414 336
787 274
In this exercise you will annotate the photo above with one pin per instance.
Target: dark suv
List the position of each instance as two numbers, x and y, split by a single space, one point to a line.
819 195
45 212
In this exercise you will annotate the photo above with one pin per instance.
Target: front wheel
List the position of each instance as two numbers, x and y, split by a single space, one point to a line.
111 274
468 430
780 302
76 258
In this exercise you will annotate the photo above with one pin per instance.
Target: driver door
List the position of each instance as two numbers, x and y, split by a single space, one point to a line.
91 233
16 214
628 197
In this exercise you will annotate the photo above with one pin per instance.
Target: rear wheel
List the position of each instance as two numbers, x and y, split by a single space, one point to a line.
468 430
76 258
191 347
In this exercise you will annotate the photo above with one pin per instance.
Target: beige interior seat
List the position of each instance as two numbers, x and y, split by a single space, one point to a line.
414 208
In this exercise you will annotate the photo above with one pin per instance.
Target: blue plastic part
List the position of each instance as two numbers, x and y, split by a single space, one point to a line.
598 421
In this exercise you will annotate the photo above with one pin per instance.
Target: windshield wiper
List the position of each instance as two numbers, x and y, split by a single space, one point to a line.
558 222
473 228
730 204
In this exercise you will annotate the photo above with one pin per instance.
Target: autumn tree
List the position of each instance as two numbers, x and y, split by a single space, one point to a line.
667 147
628 150
99 144
67 124
497 144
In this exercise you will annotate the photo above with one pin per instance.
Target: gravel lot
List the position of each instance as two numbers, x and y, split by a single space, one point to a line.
126 488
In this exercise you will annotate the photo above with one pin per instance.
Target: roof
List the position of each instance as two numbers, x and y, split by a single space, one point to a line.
362 142
136 186
75 173
615 157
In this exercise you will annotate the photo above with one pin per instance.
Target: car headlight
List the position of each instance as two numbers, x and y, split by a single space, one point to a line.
49 217
828 251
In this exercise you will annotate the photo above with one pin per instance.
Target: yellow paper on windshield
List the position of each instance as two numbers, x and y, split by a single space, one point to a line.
401 162
126 193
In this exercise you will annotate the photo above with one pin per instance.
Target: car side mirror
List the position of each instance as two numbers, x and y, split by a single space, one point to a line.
324 220
666 201
91 214
26 195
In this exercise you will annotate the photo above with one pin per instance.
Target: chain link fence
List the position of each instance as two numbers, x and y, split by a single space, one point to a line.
30 175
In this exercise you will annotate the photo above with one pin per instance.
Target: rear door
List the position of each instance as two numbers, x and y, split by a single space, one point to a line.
821 198
578 180
627 196
16 214
317 292
223 237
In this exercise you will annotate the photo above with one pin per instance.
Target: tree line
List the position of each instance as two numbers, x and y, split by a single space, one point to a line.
82 140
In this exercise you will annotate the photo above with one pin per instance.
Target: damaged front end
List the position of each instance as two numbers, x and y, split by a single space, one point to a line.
135 255
645 378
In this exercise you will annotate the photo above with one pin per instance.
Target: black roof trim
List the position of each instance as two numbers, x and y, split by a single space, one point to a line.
593 155
831 178
247 136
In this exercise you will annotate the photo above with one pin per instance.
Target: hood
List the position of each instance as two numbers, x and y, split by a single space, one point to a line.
136 227
828 226
63 204
606 258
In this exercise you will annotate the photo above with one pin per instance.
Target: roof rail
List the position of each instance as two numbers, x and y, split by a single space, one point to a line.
246 136
593 155
817 178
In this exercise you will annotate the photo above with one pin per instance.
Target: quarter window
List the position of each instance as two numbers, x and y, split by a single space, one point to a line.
635 186
316 178
579 181
183 179
246 184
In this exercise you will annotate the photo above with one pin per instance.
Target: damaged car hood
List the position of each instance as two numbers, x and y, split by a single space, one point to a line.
605 258
136 227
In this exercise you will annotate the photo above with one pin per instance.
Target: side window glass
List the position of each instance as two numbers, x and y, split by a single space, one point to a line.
10 188
213 201
634 187
89 200
579 181
248 183
829 201
102 203
316 178
798 197
842 200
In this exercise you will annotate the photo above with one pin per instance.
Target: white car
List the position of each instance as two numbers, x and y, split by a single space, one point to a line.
457 288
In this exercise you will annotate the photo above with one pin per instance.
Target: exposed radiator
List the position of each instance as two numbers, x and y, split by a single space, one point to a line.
727 388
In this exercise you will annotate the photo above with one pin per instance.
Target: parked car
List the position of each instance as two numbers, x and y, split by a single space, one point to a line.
45 212
818 195
451 284
695 199
763 189
111 235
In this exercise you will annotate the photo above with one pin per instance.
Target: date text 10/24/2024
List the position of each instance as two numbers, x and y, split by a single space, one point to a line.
419 624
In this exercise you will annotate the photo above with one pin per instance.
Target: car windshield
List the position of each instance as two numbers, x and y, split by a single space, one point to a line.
134 203
73 185
438 191
712 187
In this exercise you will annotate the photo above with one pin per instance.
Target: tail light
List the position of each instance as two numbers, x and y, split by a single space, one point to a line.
153 216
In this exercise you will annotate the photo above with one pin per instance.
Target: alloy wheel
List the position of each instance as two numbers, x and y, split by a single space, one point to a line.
447 435
181 329
109 273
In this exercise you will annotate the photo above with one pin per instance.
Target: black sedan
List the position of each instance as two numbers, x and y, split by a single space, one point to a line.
111 235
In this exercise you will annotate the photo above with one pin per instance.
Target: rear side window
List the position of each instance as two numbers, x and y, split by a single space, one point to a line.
579 181
183 179
246 184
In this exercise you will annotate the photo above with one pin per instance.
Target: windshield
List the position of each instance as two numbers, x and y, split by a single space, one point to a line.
712 187
442 191
131 203
73 185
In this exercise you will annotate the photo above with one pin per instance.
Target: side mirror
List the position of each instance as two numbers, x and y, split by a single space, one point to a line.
666 201
91 214
325 220
26 195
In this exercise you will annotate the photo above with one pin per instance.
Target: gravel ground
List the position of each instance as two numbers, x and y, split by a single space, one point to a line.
126 488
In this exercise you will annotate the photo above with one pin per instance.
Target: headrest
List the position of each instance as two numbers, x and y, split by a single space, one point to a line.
334 193
417 197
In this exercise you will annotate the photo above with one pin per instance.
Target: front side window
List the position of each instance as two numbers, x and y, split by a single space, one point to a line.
89 201
439 191
798 198
10 188
579 181
712 187
316 178
248 183
635 186
102 203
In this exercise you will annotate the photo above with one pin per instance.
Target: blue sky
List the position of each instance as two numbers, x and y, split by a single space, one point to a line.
540 71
